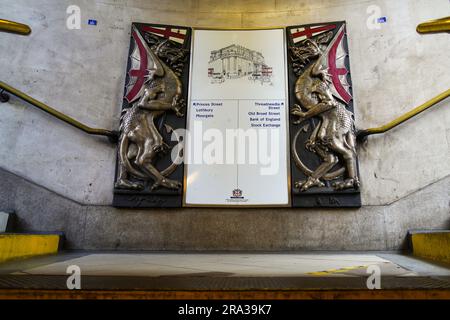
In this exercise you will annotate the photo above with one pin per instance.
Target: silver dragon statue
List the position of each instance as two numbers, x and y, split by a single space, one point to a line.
153 90
322 93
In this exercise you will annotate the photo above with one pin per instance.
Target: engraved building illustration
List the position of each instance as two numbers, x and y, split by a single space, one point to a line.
236 61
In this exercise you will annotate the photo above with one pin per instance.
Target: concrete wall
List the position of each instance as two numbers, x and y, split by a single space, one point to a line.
82 73
103 227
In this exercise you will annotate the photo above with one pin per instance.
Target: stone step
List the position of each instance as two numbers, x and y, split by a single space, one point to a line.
431 244
18 246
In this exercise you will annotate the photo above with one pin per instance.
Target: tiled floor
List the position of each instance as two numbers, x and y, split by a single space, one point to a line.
228 264
256 265
224 271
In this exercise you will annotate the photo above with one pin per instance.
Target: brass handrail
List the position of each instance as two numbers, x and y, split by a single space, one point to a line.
14 27
364 133
112 135
432 26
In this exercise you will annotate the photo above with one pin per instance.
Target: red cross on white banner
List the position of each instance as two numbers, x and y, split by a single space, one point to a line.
174 34
299 34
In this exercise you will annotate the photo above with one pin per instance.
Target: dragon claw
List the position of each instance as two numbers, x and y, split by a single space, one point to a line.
311 182
346 184
125 184
167 183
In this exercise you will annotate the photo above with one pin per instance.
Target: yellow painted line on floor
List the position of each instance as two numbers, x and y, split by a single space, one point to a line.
333 271
435 245
14 246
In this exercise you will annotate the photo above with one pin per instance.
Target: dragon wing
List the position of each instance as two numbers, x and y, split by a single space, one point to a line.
145 65
333 60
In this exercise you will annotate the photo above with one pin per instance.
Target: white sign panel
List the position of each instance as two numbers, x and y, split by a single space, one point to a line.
236 145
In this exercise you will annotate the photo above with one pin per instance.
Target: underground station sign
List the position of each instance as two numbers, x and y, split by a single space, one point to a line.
237 118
